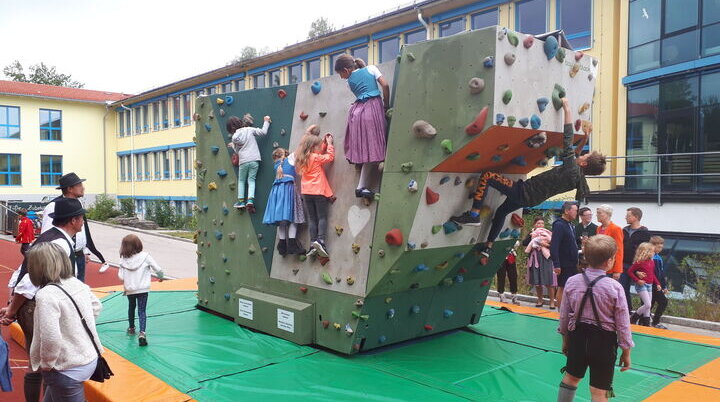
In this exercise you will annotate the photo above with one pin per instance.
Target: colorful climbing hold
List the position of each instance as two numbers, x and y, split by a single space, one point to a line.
447 282
535 122
462 270
509 58
232 235
578 124
414 285
543 162
457 181
388 300
478 124
303 116
507 96
211 115
325 324
337 326
550 47
339 230
415 309
355 248
499 118
512 38
410 245
586 127
502 32
406 167
229 100
557 94
584 108
421 268
542 103
227 296
423 129
579 55
528 41
442 266
348 329
219 101
251 249
560 54
511 121
524 121
496 158
218 235
394 237
574 70
382 339
451 227
515 233
409 56
303 289
504 234
489 62
428 327
435 229
447 145
208 127
350 280
316 87
423 244
222 112
326 278
537 140
214 149
476 85
222 172
444 180
196 116
519 160
447 313
431 197
412 186
485 283
212 186
322 114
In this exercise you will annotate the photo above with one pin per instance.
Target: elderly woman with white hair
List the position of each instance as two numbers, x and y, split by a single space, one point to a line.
604 214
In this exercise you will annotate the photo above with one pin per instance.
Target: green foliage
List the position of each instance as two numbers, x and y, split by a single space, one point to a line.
127 207
249 52
320 27
40 74
162 213
103 208
703 272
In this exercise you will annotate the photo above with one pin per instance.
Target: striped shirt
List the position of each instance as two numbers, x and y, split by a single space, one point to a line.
609 300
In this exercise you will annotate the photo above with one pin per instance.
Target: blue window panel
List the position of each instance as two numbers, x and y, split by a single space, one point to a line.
50 169
10 170
211 90
50 125
146 117
484 19
178 165
156 116
360 52
121 123
166 165
313 69
295 74
186 108
415 36
334 57
226 87
138 120
680 48
452 27
240 84
575 18
164 113
531 16
711 40
259 81
275 78
176 111
388 49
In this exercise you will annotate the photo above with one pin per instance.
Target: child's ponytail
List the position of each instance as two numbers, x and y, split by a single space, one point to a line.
645 251
279 154
360 63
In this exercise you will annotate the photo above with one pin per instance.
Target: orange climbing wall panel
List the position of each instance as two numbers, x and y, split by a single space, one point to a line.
497 147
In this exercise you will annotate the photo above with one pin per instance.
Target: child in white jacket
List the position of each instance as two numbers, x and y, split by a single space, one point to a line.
135 267
245 145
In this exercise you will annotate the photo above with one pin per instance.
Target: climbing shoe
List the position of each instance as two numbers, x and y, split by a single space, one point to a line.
282 247
659 326
130 331
644 321
358 193
320 247
250 202
294 247
239 205
142 340
634 318
367 194
313 251
466 219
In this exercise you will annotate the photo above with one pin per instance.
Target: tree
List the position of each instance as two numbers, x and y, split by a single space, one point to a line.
249 52
320 27
40 74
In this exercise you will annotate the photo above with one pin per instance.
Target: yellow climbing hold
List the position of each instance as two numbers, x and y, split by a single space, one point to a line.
212 186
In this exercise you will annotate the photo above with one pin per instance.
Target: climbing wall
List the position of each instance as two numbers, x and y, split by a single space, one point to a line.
399 268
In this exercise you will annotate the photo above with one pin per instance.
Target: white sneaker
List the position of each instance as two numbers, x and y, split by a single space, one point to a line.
104 267
502 297
514 300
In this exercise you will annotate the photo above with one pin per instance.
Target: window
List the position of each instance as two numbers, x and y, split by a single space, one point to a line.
164 112
360 53
138 167
178 164
50 125
10 170
388 49
186 109
145 118
128 122
146 166
575 18
240 84
226 87
484 19
187 163
313 69
138 120
176 111
156 116
121 123
200 92
295 74
211 91
531 16
642 136
121 162
128 167
157 165
166 165
259 81
275 78
9 122
50 169
415 36
451 27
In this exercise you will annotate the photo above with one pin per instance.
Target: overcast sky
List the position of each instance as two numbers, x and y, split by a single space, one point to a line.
134 45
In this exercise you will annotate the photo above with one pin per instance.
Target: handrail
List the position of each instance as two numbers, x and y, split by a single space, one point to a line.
660 155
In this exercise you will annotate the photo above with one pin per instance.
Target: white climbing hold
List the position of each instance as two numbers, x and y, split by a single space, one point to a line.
423 129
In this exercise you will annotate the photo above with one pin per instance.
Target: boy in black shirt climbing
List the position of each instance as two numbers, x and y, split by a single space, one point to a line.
533 191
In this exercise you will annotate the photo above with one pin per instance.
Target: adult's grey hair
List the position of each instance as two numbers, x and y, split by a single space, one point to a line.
606 208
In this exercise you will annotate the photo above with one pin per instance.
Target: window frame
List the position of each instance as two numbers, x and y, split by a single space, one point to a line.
9 173
385 40
7 125
278 73
186 100
517 15
49 126
52 174
177 111
583 34
462 19
121 170
307 69
415 31
485 11
156 116
290 73
256 77
331 61
121 123
178 164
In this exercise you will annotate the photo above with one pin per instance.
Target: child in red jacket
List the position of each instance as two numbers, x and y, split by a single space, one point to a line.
26 231
644 283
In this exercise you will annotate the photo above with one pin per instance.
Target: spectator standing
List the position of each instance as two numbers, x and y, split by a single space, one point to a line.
633 234
593 322
585 228
539 264
659 296
509 269
607 227
563 248
26 231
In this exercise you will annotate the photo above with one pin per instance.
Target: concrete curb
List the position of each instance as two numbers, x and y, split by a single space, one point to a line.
681 321
148 232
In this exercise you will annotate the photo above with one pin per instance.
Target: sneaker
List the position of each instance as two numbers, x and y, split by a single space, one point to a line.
311 252
358 193
294 247
142 340
130 331
282 247
502 297
250 202
104 267
239 205
466 219
251 208
320 248
659 326
634 318
486 253
514 300
368 194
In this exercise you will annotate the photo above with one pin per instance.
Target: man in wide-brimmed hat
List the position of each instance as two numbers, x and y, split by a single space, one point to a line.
68 219
72 187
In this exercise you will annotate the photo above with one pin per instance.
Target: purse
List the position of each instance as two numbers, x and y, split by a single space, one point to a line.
102 370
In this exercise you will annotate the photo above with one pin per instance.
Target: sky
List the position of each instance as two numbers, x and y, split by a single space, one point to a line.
131 46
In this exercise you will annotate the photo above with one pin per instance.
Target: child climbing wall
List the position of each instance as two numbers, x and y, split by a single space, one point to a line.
284 206
244 144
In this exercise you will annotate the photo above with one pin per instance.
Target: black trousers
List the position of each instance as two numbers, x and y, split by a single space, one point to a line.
511 271
658 297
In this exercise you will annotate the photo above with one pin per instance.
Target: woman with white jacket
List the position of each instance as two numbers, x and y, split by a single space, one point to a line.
62 349
135 269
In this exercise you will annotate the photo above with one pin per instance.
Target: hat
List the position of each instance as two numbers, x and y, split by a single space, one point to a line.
69 180
67 208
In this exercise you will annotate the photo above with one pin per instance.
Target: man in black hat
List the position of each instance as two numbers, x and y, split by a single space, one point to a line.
67 221
72 187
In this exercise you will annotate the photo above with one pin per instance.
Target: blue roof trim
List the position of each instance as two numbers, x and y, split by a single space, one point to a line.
466 9
186 90
396 30
158 197
183 145
144 150
674 69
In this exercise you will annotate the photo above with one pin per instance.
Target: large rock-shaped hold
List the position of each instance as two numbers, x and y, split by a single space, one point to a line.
542 103
528 41
557 95
550 47
423 129
476 85
509 58
507 96
394 237
476 127
535 122
512 38
316 87
431 197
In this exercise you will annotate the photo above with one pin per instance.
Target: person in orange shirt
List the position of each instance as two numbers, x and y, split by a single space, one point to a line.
604 214
315 188
26 231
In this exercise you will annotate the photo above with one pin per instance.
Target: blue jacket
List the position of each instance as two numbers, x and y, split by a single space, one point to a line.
563 248
660 270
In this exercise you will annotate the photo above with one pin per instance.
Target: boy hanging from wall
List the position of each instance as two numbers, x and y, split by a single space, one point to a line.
533 191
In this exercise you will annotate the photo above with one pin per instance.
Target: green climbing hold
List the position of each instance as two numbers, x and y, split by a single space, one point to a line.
252 249
327 278
447 145
560 55
512 38
406 167
511 121
507 96
473 156
557 95
436 228
302 257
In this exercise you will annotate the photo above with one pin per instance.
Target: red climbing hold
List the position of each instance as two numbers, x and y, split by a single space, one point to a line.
303 116
485 283
428 327
282 94
356 347
578 124
303 289
323 260
431 197
579 55
462 270
528 41
476 127
517 220
394 237
325 323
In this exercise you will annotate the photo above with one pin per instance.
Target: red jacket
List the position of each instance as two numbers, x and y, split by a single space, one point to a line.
26 231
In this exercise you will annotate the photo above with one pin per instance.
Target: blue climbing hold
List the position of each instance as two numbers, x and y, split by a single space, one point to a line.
208 127
224 258
459 279
214 149
499 118
519 160
459 255
535 122
489 62
211 279
218 234
227 296
421 267
229 100
515 233
382 339
225 211
451 227
204 208
542 103
390 313
444 180
415 309
316 87
411 245
222 172
496 158
551 47
447 313
524 121
505 233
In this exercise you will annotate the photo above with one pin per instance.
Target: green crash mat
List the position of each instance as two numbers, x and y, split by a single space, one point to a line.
506 356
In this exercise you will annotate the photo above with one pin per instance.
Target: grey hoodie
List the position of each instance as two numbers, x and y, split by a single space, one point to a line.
135 272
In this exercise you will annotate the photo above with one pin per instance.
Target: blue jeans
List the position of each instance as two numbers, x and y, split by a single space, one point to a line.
141 300
61 388
247 172
626 281
80 263
644 288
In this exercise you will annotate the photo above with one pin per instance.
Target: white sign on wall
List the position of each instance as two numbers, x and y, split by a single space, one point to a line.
245 309
286 320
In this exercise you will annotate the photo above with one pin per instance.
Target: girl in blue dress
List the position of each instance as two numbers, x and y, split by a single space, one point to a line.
284 207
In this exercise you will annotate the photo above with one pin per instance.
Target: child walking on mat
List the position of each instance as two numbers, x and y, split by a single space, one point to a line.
570 175
284 207
244 144
135 268
315 188
365 139
644 285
